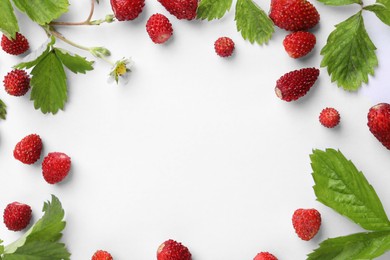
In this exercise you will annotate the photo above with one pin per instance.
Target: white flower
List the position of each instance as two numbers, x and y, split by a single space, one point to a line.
120 71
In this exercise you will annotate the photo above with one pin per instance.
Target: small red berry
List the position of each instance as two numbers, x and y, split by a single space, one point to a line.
159 28
101 255
15 46
17 216
224 46
126 10
17 82
306 223
265 256
295 84
379 123
299 44
28 150
182 9
294 15
55 167
329 117
172 250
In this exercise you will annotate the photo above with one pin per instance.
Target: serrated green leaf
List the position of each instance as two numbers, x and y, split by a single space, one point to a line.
349 54
48 82
340 186
3 111
357 246
253 22
381 9
75 63
43 12
340 2
8 22
35 57
40 250
46 230
213 9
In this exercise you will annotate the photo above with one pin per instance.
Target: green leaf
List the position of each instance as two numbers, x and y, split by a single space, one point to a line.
48 83
1 248
3 111
213 9
40 250
75 63
357 246
8 23
253 22
349 54
340 2
37 56
40 242
381 9
43 12
340 186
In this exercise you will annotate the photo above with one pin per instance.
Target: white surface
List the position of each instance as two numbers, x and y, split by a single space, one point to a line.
195 148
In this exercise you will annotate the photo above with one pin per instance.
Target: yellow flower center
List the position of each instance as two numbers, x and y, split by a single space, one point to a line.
120 69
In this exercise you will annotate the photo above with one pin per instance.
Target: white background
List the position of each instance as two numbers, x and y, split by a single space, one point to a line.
196 148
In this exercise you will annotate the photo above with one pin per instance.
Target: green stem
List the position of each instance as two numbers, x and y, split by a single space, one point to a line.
62 38
86 22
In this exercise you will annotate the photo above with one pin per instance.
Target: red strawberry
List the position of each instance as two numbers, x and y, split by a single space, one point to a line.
265 256
172 250
159 28
55 167
224 46
28 150
295 84
379 123
306 223
15 46
101 255
298 44
17 216
294 15
17 82
329 117
182 9
126 10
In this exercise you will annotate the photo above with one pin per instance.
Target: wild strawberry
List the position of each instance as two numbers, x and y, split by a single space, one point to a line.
17 216
295 84
172 250
55 167
265 256
224 46
329 117
182 9
28 150
306 223
15 46
126 10
379 123
101 255
294 15
17 82
299 44
159 28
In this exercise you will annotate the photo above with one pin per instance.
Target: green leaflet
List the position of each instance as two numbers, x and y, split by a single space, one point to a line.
42 12
75 63
340 186
3 112
1 248
213 9
349 54
253 22
40 242
381 9
8 23
48 82
357 246
340 2
35 57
